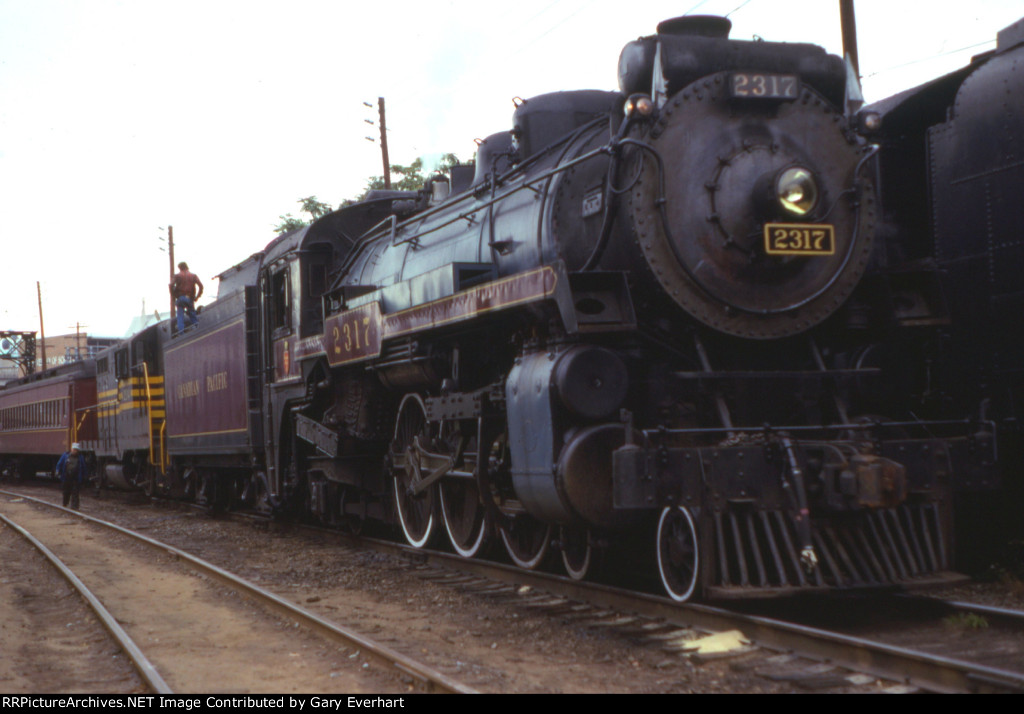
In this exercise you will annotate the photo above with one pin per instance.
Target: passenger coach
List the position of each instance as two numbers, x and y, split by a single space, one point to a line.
42 414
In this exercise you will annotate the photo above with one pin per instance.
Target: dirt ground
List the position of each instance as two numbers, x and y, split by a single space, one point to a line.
491 643
201 636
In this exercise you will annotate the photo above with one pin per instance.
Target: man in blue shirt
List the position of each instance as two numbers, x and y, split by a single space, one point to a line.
71 470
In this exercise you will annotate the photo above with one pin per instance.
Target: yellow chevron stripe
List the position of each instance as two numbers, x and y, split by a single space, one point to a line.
153 379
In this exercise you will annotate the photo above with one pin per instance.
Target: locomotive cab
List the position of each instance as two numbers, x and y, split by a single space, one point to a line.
131 411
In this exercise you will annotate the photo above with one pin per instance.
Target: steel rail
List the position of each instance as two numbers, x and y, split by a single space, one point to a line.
1015 617
428 679
1009 616
919 669
142 665
925 671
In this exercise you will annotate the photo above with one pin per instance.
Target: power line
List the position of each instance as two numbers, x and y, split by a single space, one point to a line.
932 57
743 5
551 29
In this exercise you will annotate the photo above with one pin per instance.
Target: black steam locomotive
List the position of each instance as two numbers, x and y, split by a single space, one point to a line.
657 322
622 316
951 168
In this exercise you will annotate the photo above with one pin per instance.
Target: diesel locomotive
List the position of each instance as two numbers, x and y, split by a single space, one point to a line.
656 324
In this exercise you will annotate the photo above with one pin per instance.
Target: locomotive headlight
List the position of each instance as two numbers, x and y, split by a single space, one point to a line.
796 191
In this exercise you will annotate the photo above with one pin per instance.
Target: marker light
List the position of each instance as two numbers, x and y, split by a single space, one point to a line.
639 103
870 122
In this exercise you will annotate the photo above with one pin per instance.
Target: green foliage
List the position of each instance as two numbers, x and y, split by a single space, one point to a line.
409 178
966 621
403 178
288 224
314 207
310 204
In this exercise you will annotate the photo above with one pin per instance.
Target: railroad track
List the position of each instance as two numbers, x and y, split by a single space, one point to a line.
804 655
193 633
826 652
812 657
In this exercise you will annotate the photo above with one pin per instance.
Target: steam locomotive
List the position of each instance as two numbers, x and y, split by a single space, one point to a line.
657 321
951 168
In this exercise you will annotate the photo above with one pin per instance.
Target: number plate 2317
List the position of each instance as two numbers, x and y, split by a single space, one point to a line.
799 239
748 85
354 334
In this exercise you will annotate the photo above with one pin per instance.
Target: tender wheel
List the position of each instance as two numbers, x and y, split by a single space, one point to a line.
526 539
415 511
463 514
190 484
213 493
577 555
261 496
678 553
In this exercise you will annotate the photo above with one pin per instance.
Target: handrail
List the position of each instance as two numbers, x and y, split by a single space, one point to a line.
165 460
76 425
149 411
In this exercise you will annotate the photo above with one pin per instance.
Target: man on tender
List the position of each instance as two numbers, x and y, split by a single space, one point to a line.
184 291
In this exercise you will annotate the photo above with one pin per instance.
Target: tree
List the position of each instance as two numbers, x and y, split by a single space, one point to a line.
316 209
412 176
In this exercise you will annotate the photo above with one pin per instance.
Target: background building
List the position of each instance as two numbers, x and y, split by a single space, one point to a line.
60 349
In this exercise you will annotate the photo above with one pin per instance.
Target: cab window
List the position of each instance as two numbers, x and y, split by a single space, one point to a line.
279 298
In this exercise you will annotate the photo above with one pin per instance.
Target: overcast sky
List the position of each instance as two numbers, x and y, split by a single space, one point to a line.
121 117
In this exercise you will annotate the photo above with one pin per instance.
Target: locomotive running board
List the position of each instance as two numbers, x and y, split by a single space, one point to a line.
358 334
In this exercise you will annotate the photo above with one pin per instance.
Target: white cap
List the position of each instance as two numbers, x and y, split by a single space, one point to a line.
76 446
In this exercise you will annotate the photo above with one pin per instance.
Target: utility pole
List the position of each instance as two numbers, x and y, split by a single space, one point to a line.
78 340
854 93
849 25
383 139
170 252
384 144
42 333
